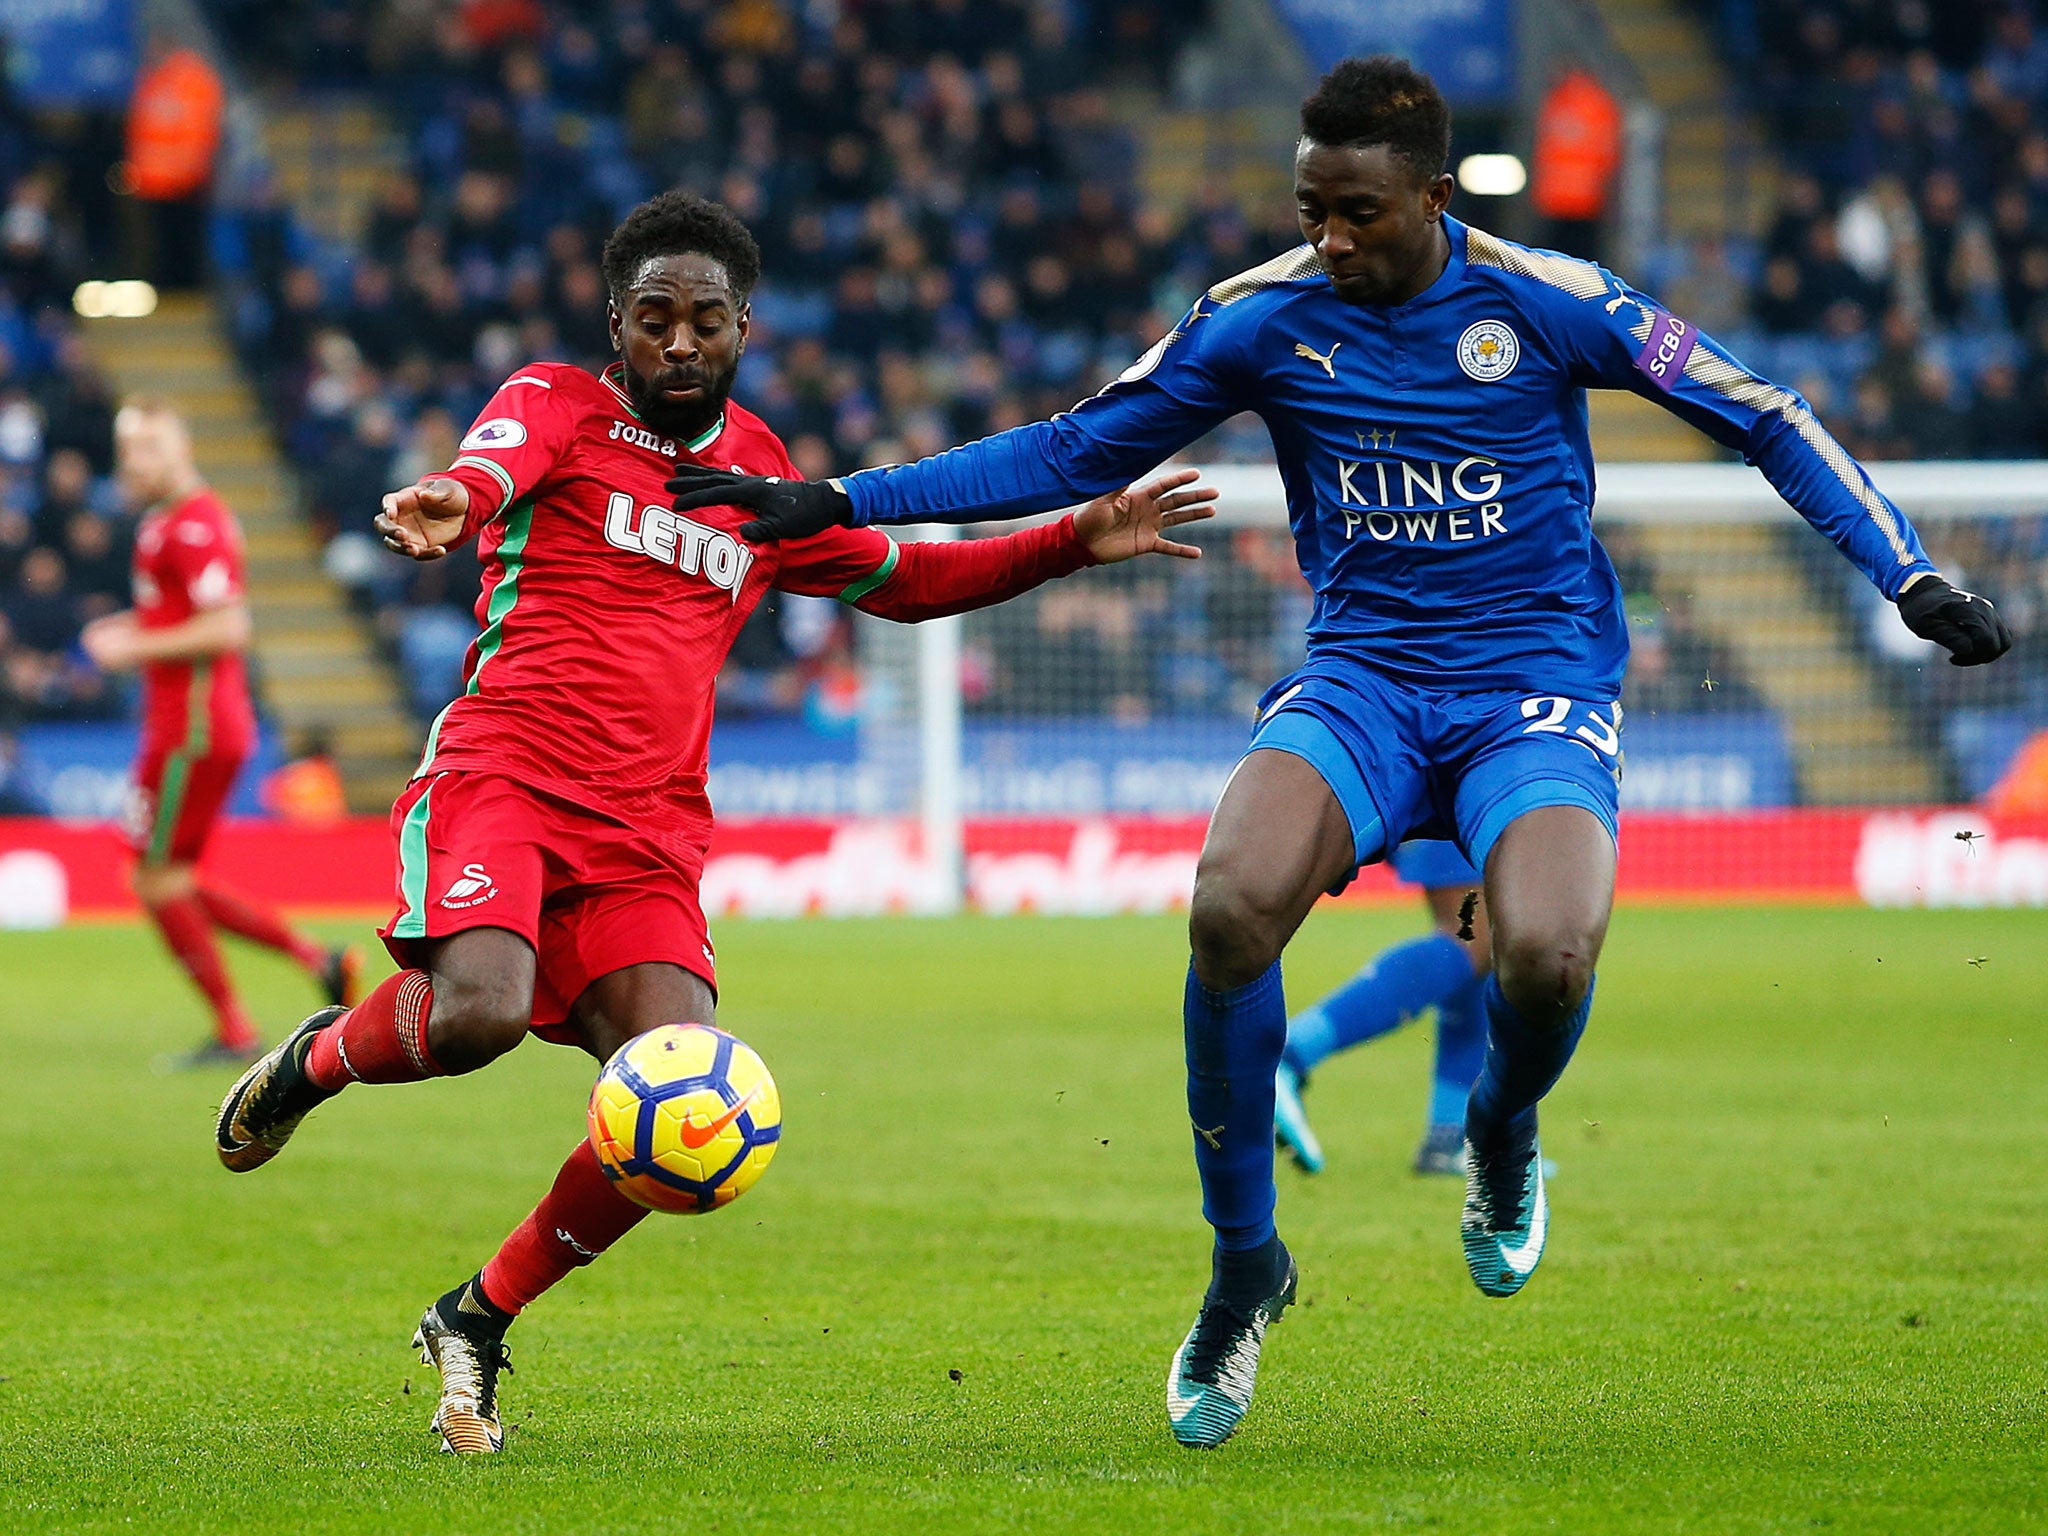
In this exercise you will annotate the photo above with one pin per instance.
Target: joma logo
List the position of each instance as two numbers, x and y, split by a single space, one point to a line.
640 437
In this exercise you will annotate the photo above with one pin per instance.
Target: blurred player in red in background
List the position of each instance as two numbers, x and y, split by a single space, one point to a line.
186 634
550 845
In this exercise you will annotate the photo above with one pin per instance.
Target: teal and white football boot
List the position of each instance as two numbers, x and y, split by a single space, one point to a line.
1506 1216
1290 1121
1209 1385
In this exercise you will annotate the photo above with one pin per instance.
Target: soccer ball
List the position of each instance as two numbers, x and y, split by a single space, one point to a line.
684 1118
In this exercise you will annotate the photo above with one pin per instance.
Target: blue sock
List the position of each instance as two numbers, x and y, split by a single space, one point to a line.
1399 983
1522 1062
1234 1040
1460 1051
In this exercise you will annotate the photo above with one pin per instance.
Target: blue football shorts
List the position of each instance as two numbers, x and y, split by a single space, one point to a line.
1432 863
1411 762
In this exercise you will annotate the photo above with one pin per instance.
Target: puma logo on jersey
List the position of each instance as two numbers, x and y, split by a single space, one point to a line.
474 888
668 538
1328 361
640 437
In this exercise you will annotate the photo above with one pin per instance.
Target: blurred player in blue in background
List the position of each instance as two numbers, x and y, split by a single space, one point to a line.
1424 385
1445 969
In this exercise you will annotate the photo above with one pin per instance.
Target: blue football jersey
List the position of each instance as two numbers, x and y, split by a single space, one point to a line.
1438 473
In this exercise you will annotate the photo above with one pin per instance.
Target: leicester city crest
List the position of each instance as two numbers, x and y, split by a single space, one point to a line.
1488 350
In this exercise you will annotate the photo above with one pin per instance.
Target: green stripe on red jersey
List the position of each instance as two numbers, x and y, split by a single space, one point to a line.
199 709
505 595
855 591
496 471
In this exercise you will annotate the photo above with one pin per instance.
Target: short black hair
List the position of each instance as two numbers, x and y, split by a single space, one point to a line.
1382 100
670 224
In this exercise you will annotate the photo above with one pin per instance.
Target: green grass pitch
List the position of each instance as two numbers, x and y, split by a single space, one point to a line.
1797 1275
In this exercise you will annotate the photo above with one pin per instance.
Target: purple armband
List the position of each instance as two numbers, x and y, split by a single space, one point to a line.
1664 354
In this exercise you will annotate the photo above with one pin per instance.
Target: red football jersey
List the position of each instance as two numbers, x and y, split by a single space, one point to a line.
188 558
605 615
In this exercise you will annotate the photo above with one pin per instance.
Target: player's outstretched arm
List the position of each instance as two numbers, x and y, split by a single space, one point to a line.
1131 522
1091 451
1625 340
1193 380
426 520
928 580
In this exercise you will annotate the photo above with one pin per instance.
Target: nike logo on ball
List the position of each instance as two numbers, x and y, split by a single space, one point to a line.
693 1135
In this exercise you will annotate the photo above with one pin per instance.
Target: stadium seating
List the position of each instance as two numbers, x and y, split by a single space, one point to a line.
64 533
955 242
1899 282
971 258
974 256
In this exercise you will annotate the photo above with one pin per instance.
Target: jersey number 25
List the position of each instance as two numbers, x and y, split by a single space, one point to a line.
1551 715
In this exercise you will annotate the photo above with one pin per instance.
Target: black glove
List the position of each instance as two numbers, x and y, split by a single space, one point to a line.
790 509
1962 623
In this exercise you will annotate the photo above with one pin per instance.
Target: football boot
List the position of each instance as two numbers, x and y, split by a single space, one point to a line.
270 1099
1209 1385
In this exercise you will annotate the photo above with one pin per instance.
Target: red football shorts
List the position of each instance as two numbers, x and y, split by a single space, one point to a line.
591 894
175 802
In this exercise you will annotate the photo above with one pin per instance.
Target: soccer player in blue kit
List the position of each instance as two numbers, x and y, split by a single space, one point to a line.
1424 384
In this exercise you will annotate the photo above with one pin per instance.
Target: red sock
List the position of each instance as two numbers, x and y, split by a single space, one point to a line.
383 1039
189 937
259 925
575 1221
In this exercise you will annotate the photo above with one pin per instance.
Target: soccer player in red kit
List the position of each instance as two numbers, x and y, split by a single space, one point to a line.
550 846
186 633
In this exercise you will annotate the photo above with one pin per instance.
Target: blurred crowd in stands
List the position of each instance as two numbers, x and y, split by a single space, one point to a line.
948 202
64 533
1902 283
953 244
945 201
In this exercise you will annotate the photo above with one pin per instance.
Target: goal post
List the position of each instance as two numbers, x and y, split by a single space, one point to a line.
941 818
